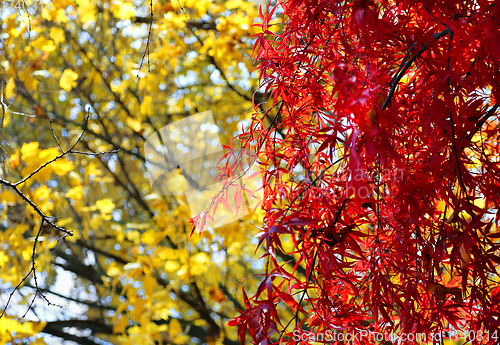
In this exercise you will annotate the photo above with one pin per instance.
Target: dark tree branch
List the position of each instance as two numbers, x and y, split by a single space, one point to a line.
56 328
192 25
96 250
402 71
482 121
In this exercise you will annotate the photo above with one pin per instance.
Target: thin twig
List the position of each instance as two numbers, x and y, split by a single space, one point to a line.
54 135
64 153
32 270
146 51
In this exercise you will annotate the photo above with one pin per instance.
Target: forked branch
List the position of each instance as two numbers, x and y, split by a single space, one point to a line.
45 219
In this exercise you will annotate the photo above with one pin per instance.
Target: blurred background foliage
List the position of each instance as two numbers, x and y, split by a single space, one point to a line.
131 273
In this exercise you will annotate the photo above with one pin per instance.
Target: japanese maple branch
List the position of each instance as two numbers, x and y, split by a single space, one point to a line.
228 184
455 152
482 121
454 145
401 72
314 181
311 271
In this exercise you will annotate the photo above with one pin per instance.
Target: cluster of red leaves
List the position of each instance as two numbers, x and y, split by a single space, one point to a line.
381 167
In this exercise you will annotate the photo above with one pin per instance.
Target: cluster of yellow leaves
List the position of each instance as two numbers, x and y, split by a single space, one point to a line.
11 329
152 305
68 80
66 66
123 9
34 157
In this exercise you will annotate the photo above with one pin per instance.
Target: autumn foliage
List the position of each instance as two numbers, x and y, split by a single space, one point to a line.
381 169
89 253
374 124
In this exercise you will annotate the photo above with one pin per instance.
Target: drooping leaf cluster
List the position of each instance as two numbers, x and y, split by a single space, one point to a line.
382 168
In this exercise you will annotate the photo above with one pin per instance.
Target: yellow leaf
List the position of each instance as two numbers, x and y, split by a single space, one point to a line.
61 16
91 169
48 154
75 193
165 253
7 196
200 261
234 248
148 237
202 6
26 253
123 10
198 269
149 283
75 180
171 266
57 35
88 208
9 91
66 221
146 105
134 236
480 202
134 124
4 259
29 82
49 47
8 326
62 167
37 327
201 258
86 10
174 328
182 271
68 80
119 327
139 309
232 4
105 206
15 32
42 192
114 271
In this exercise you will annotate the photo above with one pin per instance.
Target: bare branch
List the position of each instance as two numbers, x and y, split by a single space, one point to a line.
32 270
